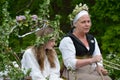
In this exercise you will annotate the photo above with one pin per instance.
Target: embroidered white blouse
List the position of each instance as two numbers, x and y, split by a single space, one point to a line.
68 51
29 62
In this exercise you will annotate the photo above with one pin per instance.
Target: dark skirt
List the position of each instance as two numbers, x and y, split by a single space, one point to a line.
83 73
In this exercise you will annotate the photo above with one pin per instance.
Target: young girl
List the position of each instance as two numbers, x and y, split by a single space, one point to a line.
43 61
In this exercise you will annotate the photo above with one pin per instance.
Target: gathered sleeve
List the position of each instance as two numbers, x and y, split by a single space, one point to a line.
68 52
29 62
97 52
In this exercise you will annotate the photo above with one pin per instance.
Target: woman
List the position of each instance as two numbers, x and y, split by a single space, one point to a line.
80 51
43 62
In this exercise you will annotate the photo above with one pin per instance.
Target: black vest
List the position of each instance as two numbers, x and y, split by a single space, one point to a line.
81 50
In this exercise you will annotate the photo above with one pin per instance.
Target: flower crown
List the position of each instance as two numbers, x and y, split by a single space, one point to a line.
44 29
50 31
46 34
77 9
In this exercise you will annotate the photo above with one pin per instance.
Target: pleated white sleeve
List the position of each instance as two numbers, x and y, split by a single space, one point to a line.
68 52
97 52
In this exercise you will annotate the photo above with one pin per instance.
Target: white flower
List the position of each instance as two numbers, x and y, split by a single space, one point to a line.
15 64
20 18
34 17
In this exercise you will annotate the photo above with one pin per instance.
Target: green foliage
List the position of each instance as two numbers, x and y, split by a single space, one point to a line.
105 18
107 9
14 32
106 13
111 48
18 7
6 63
111 39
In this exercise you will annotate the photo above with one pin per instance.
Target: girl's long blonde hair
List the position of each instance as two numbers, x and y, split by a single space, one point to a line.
40 53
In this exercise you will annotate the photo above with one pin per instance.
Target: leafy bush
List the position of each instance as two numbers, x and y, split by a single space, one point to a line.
111 48
14 31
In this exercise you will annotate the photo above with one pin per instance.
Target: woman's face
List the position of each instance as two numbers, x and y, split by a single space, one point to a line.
83 24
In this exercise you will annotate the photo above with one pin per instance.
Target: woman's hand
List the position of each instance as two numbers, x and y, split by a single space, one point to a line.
102 70
96 58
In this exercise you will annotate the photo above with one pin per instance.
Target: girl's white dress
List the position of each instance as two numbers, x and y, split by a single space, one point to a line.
29 62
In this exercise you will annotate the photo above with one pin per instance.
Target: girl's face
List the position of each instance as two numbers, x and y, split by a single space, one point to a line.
50 44
83 24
